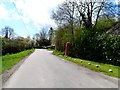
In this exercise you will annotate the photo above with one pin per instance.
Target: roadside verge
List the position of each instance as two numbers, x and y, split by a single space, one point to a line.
9 69
107 69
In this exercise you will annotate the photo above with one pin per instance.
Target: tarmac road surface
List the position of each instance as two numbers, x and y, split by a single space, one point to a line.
44 70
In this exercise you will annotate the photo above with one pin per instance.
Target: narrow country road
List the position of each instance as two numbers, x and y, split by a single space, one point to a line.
44 70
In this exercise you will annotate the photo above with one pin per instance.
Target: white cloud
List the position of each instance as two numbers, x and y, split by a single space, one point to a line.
14 15
37 10
4 14
117 1
35 14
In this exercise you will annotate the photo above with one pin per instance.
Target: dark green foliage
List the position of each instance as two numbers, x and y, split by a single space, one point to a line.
59 40
95 45
101 48
104 24
11 44
44 42
104 68
111 48
41 39
16 45
63 35
88 40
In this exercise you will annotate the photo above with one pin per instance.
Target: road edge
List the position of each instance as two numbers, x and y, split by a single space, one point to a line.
7 74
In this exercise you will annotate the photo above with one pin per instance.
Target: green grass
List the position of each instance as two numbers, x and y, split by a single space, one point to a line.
50 49
104 68
0 64
8 61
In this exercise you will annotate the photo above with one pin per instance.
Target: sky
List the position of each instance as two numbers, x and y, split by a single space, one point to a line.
27 17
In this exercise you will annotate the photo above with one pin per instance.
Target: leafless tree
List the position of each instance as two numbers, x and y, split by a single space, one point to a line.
86 13
7 32
43 34
65 14
36 36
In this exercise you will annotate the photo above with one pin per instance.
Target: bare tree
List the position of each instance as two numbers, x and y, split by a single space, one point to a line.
43 38
86 13
8 32
50 33
43 34
89 10
65 15
36 36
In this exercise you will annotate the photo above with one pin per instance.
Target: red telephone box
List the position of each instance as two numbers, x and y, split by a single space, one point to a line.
67 48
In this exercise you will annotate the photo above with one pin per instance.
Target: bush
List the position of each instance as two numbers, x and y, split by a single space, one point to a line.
111 48
59 44
95 45
104 24
15 45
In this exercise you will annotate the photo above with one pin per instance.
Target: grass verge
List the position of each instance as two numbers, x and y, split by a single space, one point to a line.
104 68
50 49
8 61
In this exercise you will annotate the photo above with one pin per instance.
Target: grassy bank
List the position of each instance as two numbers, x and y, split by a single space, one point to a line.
8 61
96 66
